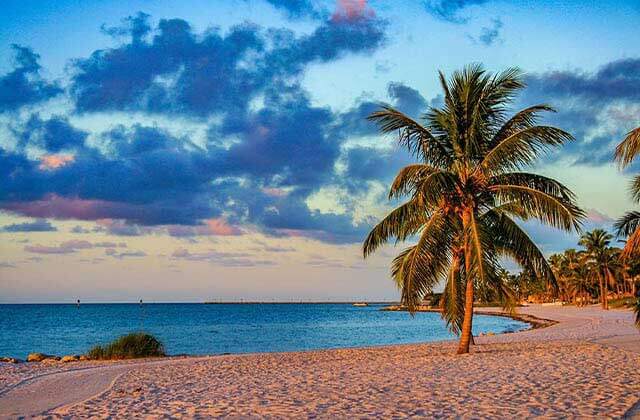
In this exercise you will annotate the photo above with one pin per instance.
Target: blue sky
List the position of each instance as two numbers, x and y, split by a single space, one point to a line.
218 149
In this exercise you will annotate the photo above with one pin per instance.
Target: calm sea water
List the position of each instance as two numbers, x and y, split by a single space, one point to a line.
221 328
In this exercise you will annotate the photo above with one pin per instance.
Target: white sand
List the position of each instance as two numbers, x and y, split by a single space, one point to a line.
583 366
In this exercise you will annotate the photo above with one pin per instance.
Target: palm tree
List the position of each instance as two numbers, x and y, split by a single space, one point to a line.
597 243
628 226
560 264
579 274
464 192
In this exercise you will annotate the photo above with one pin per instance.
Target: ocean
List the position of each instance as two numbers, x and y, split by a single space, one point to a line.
198 329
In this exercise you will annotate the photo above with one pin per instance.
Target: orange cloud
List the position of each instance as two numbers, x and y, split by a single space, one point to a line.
220 227
51 162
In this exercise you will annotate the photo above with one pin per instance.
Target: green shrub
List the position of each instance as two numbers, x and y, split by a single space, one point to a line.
130 346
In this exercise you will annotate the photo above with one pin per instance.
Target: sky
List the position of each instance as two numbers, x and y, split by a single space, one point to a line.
218 150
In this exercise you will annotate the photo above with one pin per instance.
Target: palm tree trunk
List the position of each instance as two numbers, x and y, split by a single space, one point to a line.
465 336
467 322
602 296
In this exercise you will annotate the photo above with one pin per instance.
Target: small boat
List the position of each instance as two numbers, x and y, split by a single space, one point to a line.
360 304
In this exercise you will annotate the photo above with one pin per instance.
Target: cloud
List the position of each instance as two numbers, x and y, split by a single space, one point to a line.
598 108
53 162
404 98
127 254
407 99
225 259
598 218
53 135
43 249
40 225
218 227
172 72
23 85
109 245
296 8
71 246
449 10
76 244
352 10
137 179
489 35
372 163
79 229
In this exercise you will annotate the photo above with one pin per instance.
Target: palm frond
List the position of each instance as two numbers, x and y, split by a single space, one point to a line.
523 119
452 299
402 222
412 135
635 189
551 210
627 224
494 281
419 268
408 178
512 241
539 182
521 148
477 237
629 148
632 247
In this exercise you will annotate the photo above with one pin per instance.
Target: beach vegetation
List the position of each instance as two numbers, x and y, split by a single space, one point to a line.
601 261
464 193
130 346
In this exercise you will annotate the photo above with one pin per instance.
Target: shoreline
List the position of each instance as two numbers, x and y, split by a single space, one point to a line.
560 370
534 321
531 321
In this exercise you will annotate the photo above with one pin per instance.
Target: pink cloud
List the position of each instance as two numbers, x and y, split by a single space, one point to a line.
217 227
55 206
52 162
275 192
351 10
598 217
69 247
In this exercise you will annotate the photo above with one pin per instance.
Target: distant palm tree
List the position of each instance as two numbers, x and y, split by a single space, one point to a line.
579 272
628 226
572 276
464 192
597 243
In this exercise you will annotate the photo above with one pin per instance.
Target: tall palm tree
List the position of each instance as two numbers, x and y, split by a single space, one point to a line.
628 226
465 190
597 243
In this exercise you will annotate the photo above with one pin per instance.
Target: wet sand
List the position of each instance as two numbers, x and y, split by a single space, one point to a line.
586 365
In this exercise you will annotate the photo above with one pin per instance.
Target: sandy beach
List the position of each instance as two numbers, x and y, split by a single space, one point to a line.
586 365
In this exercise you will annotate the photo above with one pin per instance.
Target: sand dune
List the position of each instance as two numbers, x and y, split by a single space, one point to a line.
574 368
